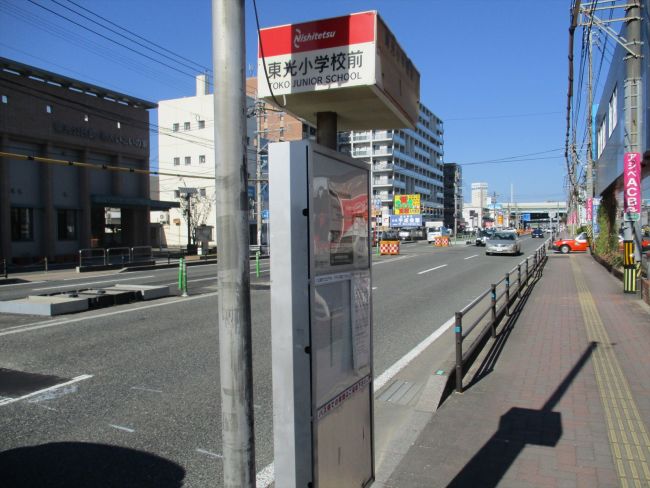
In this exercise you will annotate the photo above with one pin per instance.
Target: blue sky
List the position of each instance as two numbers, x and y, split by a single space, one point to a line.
495 71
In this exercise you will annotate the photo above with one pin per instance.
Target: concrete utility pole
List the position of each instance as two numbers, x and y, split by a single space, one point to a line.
258 172
632 99
590 104
235 354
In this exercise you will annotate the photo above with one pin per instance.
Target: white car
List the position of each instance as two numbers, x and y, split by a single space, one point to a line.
503 242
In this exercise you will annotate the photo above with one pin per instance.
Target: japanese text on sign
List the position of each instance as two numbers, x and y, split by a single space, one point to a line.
632 185
406 205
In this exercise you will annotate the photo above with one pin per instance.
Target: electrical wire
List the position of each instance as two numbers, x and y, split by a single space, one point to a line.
204 68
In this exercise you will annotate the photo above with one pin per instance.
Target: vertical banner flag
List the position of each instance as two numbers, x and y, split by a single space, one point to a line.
632 186
590 210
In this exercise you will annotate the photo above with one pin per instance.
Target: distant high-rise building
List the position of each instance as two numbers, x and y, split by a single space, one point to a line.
403 162
453 195
479 194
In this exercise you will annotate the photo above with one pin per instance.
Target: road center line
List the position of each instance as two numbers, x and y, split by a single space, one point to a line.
93 283
432 269
7 401
473 256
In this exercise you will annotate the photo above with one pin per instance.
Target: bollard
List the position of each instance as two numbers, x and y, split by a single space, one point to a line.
180 273
45 264
257 264
378 253
493 325
527 272
459 352
184 294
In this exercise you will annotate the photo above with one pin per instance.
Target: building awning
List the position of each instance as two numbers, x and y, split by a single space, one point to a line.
131 202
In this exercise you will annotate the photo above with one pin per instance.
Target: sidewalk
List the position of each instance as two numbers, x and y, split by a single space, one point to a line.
565 402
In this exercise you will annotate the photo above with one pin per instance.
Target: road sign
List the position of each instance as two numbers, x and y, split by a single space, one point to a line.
406 220
406 205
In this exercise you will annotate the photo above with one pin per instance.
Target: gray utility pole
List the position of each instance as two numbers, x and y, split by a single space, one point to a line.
590 104
235 354
188 201
258 172
632 102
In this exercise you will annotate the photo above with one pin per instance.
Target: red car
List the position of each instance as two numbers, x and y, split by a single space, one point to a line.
579 243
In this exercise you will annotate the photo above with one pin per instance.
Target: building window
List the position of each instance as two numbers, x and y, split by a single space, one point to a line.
613 112
85 117
22 224
48 109
202 159
188 160
119 125
4 99
175 127
202 192
201 124
186 126
177 161
67 224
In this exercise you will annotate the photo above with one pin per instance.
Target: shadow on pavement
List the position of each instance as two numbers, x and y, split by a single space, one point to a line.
79 464
518 427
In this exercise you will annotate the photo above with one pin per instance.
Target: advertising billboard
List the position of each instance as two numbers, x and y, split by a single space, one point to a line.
406 205
351 65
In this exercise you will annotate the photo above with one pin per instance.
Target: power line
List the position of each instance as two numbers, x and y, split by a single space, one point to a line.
111 40
204 68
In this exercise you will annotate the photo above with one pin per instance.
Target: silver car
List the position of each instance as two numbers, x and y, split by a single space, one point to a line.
503 243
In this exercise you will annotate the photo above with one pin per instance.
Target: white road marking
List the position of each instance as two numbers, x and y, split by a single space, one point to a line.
94 282
22 284
210 453
119 427
266 476
400 364
470 257
145 389
392 260
45 325
7 401
432 269
374 287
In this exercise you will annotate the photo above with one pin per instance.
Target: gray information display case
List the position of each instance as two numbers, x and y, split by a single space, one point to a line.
321 317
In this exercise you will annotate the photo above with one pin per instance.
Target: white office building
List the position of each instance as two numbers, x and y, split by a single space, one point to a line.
186 146
479 194
403 162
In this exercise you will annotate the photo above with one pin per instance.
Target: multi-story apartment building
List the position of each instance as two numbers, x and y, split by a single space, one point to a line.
479 194
453 190
186 146
403 162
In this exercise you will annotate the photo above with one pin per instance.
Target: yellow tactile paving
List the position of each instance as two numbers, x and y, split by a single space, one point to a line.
627 433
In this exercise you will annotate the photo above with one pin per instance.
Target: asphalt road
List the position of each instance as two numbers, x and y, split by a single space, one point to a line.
146 375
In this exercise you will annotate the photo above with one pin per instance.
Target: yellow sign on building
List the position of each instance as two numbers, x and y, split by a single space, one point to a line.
406 205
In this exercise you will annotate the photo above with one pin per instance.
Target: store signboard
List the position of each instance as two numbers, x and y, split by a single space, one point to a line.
632 186
405 221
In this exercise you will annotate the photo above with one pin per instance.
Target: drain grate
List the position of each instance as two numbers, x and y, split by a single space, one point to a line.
400 392
18 383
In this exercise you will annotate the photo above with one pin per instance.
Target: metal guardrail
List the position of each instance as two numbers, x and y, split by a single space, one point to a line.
114 256
501 296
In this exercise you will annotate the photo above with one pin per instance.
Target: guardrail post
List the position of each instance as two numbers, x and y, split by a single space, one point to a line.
519 281
257 263
527 272
45 260
508 293
79 258
184 294
493 326
459 351
180 273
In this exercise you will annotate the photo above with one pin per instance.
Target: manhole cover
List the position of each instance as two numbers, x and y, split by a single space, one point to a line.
18 383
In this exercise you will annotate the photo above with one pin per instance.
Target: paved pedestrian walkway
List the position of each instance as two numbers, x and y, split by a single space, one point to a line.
566 402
